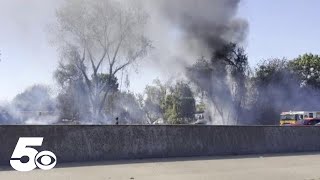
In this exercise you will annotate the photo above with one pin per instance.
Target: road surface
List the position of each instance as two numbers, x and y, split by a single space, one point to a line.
289 167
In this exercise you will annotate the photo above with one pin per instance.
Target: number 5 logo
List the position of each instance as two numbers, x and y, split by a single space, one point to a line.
45 160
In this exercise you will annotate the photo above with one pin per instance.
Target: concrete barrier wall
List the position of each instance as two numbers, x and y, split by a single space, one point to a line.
96 143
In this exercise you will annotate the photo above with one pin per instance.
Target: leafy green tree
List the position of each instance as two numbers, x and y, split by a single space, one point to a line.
271 71
37 98
307 67
152 101
73 104
125 106
171 110
201 107
212 77
280 86
172 104
270 80
180 106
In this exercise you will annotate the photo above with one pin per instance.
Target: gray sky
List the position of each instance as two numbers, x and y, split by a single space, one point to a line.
283 28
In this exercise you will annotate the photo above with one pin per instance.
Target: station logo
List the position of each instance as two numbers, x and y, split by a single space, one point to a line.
25 158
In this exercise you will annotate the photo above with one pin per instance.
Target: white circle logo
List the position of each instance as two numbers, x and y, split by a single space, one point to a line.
46 160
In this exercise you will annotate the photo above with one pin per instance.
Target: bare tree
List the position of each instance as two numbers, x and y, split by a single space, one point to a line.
104 37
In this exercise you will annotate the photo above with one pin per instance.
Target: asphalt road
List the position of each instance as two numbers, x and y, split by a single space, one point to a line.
289 167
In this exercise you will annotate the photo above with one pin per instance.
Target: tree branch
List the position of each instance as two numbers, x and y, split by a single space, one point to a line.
92 61
120 67
81 67
102 58
117 51
104 99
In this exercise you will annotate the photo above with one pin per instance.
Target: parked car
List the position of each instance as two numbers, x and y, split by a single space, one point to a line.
308 122
201 122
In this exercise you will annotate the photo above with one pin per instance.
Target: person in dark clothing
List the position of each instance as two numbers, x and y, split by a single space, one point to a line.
117 121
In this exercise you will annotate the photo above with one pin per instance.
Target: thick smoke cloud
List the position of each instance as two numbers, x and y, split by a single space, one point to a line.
205 24
185 30
204 27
